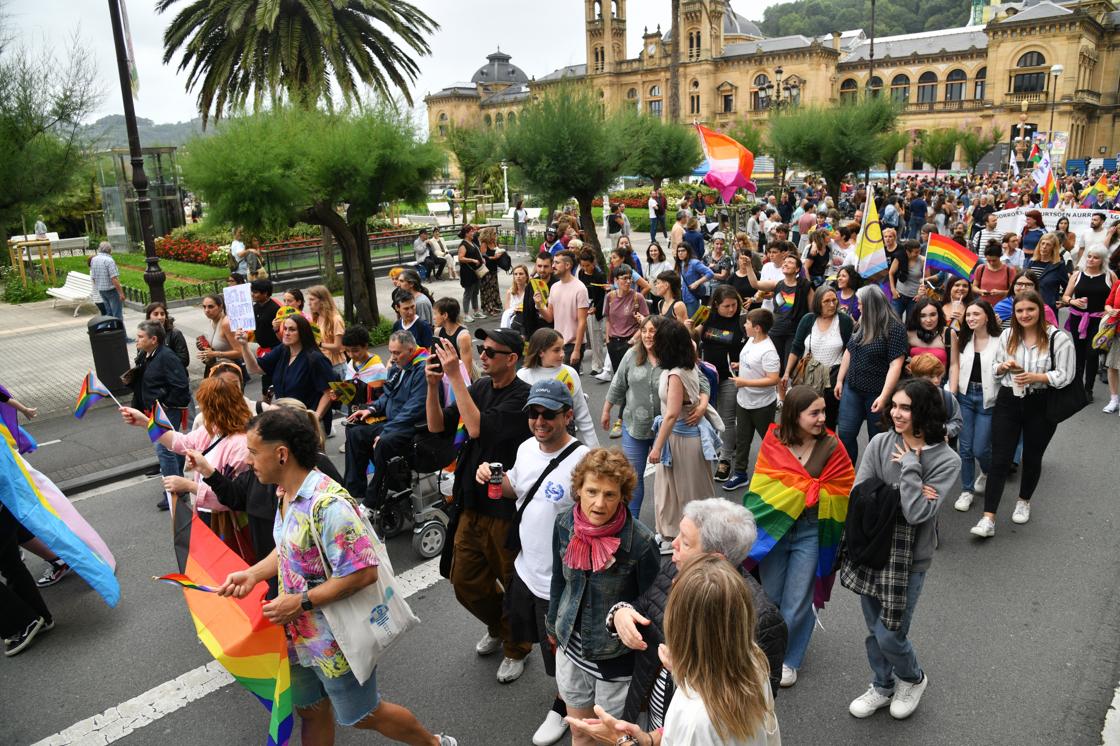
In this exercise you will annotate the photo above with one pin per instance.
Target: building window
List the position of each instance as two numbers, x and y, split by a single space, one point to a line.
728 103
499 120
954 85
1031 59
900 89
443 124
849 91
874 86
981 83
759 97
1030 80
655 108
600 59
694 103
632 94
693 45
927 88
511 118
655 91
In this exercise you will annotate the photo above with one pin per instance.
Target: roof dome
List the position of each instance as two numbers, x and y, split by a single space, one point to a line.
499 70
735 24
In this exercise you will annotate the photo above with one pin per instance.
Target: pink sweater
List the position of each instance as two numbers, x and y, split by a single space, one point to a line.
230 456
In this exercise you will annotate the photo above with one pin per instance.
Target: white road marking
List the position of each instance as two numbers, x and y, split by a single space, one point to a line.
106 489
1110 734
50 442
117 722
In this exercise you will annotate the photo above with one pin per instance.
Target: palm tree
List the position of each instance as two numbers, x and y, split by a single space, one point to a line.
241 50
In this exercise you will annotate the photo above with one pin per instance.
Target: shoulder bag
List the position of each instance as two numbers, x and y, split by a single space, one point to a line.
366 623
513 537
1063 403
811 372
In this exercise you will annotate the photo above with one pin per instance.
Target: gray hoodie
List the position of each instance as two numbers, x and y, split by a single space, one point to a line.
939 467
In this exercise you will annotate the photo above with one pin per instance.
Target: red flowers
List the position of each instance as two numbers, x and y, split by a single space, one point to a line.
184 249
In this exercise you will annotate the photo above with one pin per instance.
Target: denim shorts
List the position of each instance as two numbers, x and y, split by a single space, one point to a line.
351 701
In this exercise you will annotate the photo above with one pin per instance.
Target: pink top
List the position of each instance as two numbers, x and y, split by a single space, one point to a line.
230 456
565 299
938 352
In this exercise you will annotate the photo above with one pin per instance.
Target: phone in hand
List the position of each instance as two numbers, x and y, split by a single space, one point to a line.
435 365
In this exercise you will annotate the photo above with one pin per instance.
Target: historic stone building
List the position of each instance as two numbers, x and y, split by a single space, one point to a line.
1033 62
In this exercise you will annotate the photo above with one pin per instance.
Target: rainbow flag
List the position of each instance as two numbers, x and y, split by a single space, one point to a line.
1101 187
234 630
946 255
38 504
729 164
92 390
181 580
421 356
158 423
871 253
1050 195
781 489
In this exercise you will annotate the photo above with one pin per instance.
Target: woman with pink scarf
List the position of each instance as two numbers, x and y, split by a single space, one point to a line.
601 557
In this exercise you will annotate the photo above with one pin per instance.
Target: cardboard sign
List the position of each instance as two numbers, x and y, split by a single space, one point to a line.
239 308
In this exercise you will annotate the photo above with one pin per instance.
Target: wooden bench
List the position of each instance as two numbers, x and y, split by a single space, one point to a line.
77 289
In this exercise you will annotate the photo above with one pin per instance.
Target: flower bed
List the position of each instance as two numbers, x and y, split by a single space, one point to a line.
184 249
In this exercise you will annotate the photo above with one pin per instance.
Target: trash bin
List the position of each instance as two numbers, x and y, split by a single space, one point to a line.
110 350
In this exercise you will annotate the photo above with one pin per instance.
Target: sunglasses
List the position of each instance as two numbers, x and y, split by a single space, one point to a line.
544 414
490 352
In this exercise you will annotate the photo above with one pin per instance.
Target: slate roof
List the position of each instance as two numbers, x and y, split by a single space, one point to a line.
1038 12
763 46
571 71
922 44
515 92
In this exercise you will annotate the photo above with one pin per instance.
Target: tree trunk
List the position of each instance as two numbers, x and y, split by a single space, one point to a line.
347 287
330 275
369 287
326 216
587 223
675 64
657 182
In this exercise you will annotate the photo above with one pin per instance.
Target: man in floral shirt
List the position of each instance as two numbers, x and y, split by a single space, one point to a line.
317 517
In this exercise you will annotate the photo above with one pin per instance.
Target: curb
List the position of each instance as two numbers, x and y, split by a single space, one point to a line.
106 476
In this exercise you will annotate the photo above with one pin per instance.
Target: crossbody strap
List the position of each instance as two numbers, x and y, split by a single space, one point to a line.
547 470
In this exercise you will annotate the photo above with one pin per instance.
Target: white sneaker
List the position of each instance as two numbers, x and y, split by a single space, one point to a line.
964 502
906 698
980 484
868 703
479 315
1112 406
1022 512
986 528
789 676
342 448
488 645
510 670
466 318
552 729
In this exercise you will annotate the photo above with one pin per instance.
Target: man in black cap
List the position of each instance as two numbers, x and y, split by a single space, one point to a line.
491 412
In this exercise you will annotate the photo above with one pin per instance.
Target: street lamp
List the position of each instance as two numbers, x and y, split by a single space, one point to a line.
1055 73
790 85
505 184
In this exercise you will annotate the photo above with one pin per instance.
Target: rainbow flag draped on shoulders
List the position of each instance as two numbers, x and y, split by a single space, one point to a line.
781 490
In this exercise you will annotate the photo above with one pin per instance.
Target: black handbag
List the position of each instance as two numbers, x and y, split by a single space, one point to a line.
513 537
1063 403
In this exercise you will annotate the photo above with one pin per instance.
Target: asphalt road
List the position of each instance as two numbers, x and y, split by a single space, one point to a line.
1019 635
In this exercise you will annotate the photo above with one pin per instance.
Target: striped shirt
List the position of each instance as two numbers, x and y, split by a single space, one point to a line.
1035 360
657 704
102 270
609 669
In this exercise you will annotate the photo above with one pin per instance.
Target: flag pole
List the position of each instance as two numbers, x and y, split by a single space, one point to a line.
119 405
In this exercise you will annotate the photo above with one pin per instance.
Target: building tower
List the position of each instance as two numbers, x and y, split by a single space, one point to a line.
606 34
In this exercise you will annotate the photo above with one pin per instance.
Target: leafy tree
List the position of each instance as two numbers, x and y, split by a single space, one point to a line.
817 17
42 104
275 168
937 147
888 145
566 145
661 150
477 151
264 50
833 141
974 145
749 135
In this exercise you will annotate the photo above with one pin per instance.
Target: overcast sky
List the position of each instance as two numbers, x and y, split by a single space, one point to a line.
539 36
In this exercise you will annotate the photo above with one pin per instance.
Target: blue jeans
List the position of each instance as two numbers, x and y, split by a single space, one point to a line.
788 575
902 305
113 304
891 654
976 436
691 305
636 451
855 410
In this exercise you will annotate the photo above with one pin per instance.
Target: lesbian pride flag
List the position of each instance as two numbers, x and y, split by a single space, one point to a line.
729 164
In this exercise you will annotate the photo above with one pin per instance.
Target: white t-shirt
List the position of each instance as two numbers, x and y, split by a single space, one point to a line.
687 722
770 272
553 497
756 360
652 207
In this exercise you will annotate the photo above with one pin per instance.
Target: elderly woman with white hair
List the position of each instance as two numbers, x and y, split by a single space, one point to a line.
711 526
1085 295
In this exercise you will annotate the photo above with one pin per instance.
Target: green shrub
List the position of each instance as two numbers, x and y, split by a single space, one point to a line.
17 291
380 334
218 257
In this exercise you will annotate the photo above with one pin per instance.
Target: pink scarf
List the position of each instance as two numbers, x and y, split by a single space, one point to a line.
592 547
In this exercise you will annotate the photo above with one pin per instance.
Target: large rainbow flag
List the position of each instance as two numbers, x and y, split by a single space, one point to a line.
38 504
781 489
729 164
946 255
1100 187
234 630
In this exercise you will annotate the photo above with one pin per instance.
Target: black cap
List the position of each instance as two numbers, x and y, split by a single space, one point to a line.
505 337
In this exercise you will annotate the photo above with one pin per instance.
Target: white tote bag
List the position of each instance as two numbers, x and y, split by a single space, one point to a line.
368 622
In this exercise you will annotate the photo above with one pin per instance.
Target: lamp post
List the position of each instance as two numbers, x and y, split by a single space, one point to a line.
153 275
1055 73
1021 140
505 184
789 85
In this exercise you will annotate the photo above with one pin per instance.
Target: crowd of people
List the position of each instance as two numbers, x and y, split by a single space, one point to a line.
681 628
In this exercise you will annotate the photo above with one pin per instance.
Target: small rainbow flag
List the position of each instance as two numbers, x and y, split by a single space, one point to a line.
1050 191
421 356
1101 187
729 163
946 255
181 580
92 390
158 423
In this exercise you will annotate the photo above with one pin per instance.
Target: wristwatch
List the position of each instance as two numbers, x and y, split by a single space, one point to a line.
305 602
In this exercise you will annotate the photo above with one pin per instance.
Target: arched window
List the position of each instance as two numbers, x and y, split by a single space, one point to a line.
655 91
760 95
900 89
694 85
486 120
981 83
600 59
1032 79
511 119
849 90
874 86
693 45
954 85
632 93
499 120
927 88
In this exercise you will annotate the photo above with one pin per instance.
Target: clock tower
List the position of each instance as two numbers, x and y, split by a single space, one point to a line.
606 34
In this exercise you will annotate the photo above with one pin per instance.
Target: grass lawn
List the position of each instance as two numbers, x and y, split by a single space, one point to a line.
131 266
639 217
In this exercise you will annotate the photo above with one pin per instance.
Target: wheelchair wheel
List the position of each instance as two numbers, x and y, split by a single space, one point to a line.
393 521
428 540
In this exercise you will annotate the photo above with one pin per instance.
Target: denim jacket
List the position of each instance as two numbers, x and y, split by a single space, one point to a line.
636 565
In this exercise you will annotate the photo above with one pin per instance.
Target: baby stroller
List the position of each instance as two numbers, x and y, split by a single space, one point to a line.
412 497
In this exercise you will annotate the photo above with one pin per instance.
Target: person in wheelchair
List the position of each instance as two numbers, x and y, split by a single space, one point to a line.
400 409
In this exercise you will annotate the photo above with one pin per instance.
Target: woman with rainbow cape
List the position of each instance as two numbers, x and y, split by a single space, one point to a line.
799 498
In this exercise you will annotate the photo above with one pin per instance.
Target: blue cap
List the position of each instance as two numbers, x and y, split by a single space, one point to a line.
550 394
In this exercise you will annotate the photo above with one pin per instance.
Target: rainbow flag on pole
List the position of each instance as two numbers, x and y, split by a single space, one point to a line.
234 630
946 255
181 580
92 390
729 164
871 253
781 489
158 423
1088 200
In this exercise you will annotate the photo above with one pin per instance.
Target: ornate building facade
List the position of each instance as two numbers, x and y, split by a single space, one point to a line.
1033 63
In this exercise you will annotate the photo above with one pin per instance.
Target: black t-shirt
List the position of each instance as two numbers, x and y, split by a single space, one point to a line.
596 290
504 427
742 286
791 302
264 313
721 342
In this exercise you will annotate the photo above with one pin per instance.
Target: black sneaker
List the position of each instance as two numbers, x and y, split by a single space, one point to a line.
162 504
55 572
723 471
20 642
